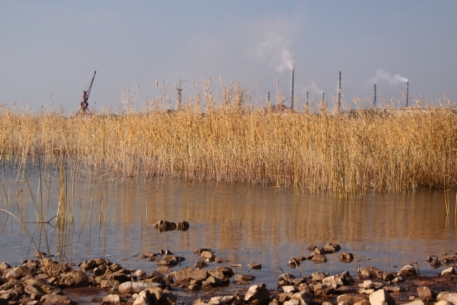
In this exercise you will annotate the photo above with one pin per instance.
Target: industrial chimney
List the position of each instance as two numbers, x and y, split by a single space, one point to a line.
407 93
292 88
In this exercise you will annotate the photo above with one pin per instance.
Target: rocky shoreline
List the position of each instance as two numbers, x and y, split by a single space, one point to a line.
46 281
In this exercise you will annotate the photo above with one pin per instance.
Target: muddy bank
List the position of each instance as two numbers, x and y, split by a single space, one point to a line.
215 281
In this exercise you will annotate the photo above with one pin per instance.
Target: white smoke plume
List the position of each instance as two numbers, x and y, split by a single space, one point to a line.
271 40
382 75
287 61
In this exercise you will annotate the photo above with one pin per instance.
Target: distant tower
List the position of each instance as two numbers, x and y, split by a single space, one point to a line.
374 96
292 88
407 93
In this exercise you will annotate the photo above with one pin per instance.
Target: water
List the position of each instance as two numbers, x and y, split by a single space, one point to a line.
243 224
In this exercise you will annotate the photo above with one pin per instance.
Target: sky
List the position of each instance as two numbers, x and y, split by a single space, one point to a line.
49 50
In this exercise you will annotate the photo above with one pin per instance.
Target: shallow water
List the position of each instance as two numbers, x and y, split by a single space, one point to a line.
244 224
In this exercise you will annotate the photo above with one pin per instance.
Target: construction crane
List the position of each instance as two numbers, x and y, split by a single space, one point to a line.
84 107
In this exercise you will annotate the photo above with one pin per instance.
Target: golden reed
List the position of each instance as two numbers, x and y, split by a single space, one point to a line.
348 154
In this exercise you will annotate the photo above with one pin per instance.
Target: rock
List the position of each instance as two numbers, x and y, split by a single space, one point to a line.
219 260
221 300
143 298
318 250
346 278
140 273
167 298
363 302
74 278
369 271
155 295
200 250
450 259
319 259
34 292
170 260
163 225
332 248
114 267
292 302
112 298
318 276
323 289
304 297
239 278
18 272
289 289
300 280
257 295
4 266
194 287
49 299
388 276
407 270
334 281
200 265
163 269
426 294
381 297
101 270
213 282
286 279
183 275
442 302
342 290
311 247
208 255
448 272
293 262
182 226
392 288
350 298
367 284
346 257
222 273
39 254
285 296
366 291
255 266
415 302
198 275
447 296
274 301
131 287
119 276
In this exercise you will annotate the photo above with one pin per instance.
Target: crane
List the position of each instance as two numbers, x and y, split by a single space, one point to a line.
84 107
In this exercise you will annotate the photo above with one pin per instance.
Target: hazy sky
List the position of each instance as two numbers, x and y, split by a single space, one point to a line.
50 49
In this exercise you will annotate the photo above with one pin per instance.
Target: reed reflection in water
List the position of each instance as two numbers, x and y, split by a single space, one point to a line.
242 223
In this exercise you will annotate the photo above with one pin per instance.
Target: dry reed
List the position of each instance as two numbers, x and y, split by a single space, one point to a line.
225 138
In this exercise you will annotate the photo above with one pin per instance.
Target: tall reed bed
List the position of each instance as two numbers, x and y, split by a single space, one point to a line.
224 138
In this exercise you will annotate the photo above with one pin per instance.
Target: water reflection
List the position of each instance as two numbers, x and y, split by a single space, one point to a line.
242 223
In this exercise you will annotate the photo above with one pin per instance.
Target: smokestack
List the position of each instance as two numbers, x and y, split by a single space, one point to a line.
292 88
374 96
339 91
407 93
307 106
